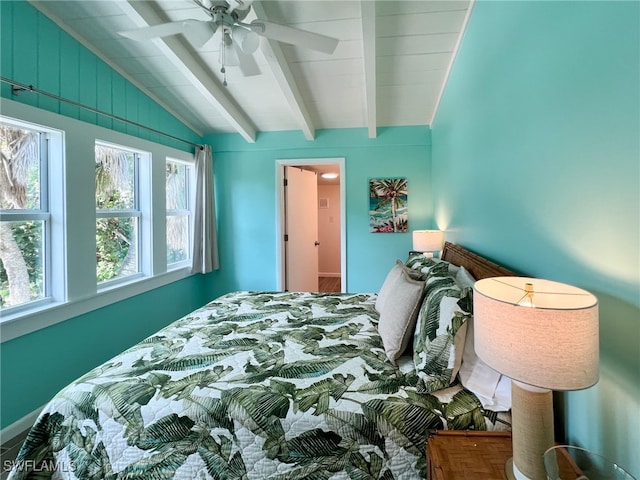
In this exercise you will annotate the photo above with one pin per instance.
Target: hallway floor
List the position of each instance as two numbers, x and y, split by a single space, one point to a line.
329 284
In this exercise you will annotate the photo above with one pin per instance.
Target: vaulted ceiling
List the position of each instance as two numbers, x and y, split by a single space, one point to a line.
388 69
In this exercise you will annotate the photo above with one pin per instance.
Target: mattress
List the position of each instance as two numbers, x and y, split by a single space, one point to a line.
254 385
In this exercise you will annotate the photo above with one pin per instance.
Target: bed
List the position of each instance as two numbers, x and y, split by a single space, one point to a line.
277 385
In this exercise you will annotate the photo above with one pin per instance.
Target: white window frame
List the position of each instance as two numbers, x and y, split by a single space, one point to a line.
189 212
140 211
51 213
74 290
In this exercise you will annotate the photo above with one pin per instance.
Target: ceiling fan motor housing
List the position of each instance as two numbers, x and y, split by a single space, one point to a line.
221 11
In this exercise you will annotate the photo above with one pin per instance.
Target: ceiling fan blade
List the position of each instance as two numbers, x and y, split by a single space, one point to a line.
248 65
154 31
197 32
294 36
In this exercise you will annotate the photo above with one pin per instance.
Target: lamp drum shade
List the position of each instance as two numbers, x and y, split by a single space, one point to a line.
539 332
428 240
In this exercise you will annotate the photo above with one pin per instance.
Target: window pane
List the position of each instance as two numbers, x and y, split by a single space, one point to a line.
115 178
177 238
117 247
20 176
177 186
21 262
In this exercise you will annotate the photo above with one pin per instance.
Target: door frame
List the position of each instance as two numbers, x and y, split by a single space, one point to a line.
280 216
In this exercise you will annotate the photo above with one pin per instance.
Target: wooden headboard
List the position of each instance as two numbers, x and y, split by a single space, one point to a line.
476 265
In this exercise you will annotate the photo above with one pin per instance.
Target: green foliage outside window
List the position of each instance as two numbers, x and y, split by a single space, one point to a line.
21 241
28 237
116 239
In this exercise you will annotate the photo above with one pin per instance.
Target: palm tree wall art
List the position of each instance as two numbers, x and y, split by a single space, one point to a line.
388 205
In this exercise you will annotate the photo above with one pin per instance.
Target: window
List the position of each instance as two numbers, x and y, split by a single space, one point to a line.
117 213
24 215
178 206
78 235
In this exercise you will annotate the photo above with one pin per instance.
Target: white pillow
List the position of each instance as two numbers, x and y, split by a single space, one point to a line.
402 297
491 387
464 278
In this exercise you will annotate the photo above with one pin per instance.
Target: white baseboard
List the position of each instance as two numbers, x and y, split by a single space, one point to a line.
19 426
324 274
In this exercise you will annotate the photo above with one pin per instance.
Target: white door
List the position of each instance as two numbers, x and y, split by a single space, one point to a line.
301 230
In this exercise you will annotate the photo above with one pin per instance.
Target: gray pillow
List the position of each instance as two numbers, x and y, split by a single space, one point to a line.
399 307
388 286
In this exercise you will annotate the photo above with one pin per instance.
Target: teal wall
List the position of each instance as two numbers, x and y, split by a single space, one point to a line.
246 199
536 163
34 367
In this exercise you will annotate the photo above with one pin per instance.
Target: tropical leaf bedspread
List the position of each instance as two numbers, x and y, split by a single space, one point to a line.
254 385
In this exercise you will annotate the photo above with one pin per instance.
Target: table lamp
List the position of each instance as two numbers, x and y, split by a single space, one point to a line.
428 241
544 336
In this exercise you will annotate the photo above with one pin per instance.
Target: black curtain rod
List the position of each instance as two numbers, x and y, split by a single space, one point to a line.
17 87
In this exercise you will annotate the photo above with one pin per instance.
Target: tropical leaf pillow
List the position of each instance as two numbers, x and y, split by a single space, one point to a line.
440 332
426 266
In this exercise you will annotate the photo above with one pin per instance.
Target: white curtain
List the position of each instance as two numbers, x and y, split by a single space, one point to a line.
205 243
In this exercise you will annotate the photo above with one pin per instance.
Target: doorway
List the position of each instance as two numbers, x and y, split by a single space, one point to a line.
328 209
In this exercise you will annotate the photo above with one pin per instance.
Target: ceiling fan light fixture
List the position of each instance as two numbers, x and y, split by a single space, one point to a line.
246 39
228 53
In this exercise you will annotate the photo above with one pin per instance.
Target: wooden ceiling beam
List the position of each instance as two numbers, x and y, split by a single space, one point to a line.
180 56
368 10
284 77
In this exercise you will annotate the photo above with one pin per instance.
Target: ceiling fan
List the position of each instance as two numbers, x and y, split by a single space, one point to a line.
238 40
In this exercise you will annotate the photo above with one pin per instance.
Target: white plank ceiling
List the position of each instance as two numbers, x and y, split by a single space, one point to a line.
388 69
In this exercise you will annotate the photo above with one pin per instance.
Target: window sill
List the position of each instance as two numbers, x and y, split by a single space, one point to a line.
20 323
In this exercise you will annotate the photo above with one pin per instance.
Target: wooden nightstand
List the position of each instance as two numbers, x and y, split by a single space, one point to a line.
472 455
461 455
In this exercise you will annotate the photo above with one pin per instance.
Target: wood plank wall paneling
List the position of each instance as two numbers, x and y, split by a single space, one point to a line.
6 42
48 50
35 51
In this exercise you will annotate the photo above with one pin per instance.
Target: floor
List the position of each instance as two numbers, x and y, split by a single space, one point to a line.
329 284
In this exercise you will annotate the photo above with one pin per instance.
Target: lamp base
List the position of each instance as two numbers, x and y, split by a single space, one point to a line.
508 469
532 429
512 471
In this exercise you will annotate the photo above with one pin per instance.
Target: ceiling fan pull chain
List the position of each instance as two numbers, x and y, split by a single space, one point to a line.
223 59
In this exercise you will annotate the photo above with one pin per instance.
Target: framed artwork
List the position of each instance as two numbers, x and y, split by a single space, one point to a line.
388 205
